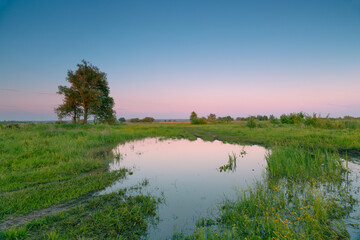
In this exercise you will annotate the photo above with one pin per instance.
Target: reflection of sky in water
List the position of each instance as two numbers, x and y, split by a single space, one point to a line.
353 220
186 172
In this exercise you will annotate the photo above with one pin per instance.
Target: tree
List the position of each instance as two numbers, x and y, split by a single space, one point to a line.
134 120
147 120
226 119
251 123
70 106
122 120
104 112
193 117
89 92
211 117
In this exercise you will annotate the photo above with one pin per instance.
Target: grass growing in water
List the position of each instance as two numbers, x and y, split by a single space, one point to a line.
231 165
293 202
296 163
276 211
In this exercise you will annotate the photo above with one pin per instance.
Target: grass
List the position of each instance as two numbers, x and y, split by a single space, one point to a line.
231 165
297 163
279 212
42 165
112 216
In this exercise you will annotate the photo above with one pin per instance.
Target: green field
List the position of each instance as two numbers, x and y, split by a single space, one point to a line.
49 172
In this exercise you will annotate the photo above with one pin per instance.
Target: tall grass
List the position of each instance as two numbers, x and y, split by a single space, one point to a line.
277 211
231 165
299 164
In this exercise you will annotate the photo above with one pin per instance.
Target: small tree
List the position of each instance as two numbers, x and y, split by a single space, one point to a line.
122 120
211 117
147 120
134 120
251 123
193 117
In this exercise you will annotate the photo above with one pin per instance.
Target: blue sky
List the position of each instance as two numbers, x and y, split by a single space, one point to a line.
167 58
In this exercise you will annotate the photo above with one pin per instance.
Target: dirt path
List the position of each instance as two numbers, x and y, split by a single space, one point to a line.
200 133
21 220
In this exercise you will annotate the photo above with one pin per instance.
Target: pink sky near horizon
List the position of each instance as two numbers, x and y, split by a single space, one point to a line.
178 98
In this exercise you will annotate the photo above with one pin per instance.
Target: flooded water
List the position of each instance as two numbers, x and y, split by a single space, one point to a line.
352 221
191 176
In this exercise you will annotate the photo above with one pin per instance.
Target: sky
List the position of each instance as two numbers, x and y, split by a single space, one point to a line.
165 59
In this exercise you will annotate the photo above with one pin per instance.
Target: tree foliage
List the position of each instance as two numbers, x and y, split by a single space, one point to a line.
144 120
193 117
211 117
226 119
195 120
87 95
122 120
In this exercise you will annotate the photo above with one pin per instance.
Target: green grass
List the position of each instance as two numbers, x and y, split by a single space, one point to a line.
42 165
276 211
293 201
295 163
112 216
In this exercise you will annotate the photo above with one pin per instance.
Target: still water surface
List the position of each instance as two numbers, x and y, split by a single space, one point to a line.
187 175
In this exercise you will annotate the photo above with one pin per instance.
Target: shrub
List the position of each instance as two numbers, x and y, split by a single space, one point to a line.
251 123
211 117
292 118
122 120
193 117
199 121
60 122
226 119
134 120
148 120
313 120
274 120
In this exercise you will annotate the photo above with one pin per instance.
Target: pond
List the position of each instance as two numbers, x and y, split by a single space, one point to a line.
352 221
191 177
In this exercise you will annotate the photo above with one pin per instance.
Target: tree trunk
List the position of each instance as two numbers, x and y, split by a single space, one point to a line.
85 115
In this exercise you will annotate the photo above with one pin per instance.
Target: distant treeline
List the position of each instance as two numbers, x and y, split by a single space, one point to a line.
144 120
314 120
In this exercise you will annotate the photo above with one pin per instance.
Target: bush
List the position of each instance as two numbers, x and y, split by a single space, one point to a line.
148 120
313 120
13 125
199 121
292 118
134 120
122 120
193 117
251 123
145 120
226 119
60 122
274 120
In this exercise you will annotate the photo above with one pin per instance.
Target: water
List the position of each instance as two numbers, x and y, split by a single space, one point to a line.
352 221
186 174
